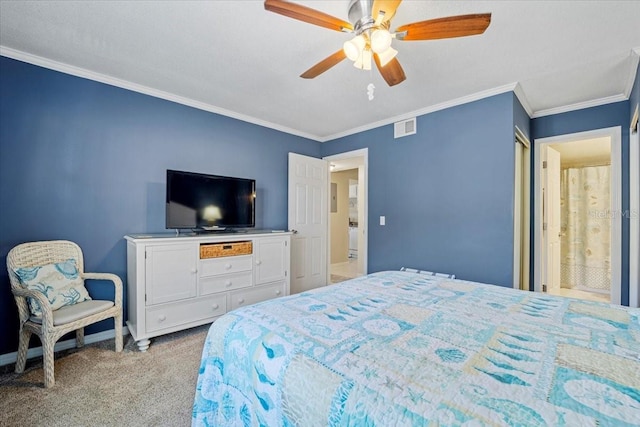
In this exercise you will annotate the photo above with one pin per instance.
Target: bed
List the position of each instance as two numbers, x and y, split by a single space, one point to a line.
398 348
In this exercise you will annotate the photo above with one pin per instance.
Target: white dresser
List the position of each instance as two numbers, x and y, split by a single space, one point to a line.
175 282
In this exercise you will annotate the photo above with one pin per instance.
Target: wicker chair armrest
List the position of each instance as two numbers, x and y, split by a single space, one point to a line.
45 306
117 283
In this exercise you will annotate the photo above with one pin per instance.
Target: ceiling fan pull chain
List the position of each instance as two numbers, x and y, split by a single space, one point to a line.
370 89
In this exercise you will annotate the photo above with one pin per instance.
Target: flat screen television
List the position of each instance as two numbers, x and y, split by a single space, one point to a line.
209 202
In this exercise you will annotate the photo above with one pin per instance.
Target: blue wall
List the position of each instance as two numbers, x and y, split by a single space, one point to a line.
85 161
604 116
446 192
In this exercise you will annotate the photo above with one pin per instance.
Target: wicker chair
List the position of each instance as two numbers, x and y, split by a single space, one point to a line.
53 325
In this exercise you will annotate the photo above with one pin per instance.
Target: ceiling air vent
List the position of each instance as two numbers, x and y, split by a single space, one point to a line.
404 128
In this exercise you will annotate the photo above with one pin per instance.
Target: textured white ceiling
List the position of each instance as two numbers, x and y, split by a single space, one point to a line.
235 58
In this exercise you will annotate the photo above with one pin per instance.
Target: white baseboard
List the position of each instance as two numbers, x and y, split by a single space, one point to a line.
6 359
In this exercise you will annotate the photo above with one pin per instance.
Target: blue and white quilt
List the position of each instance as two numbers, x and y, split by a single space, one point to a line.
404 349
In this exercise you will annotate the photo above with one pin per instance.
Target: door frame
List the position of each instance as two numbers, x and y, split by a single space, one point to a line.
615 133
363 188
634 210
522 216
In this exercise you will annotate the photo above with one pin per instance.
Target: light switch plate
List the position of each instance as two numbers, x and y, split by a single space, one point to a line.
382 220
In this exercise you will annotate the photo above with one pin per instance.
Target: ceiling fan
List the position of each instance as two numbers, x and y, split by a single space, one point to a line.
370 22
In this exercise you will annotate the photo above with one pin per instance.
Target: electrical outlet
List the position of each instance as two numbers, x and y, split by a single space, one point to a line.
383 220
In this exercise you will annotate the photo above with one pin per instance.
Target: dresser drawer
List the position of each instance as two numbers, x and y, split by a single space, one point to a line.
168 315
256 294
217 250
228 282
215 266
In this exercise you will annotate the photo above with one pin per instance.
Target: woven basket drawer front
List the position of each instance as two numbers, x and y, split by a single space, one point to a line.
215 266
217 250
169 315
212 284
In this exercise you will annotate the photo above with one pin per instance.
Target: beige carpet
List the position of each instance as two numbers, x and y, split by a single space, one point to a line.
97 387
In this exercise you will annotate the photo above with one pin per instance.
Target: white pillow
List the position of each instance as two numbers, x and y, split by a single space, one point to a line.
60 283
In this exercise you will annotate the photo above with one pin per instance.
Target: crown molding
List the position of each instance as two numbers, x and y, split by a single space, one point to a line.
511 87
580 105
524 101
113 81
634 58
416 113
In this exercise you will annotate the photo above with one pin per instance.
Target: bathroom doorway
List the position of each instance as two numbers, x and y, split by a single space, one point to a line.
577 227
585 228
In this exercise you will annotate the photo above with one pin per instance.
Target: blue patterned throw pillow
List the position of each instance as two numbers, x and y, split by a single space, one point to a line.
60 283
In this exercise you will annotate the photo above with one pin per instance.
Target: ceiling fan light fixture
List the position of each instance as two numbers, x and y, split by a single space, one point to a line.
386 56
380 40
364 61
353 48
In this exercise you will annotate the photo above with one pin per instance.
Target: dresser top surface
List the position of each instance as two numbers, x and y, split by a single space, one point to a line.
209 236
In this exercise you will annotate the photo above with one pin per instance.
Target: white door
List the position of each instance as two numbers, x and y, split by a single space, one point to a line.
308 216
551 224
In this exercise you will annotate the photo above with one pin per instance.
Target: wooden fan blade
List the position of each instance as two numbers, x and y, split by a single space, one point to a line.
392 73
388 6
306 14
324 65
444 28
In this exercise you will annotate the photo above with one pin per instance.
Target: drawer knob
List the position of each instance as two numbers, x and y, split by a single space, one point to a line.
278 292
162 318
241 301
227 266
194 271
215 306
258 262
228 283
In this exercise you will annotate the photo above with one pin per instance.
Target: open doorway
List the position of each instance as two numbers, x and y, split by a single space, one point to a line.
347 215
344 224
577 222
585 226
